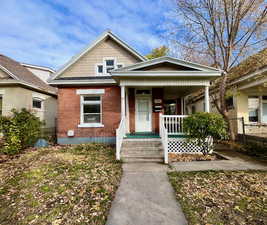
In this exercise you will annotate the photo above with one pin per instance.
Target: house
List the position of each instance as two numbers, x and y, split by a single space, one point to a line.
20 88
109 91
246 96
44 73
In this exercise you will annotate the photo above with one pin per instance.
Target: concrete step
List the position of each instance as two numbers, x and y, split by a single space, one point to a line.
142 159
142 154
142 149
141 144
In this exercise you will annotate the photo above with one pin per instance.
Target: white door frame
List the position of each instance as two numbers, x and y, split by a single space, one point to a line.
150 110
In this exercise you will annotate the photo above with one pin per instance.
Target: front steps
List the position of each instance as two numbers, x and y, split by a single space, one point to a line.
142 150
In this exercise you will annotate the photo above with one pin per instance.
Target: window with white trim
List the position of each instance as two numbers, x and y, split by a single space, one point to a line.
91 112
37 103
99 69
108 64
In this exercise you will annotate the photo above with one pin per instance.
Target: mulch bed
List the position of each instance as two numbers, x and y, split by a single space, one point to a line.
193 157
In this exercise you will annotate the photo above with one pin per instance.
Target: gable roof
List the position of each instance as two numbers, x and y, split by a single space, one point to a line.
44 68
102 37
185 69
167 59
23 76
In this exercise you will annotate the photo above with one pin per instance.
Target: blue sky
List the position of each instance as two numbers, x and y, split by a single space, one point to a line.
50 32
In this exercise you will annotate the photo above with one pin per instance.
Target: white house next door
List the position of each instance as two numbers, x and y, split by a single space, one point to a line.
143 119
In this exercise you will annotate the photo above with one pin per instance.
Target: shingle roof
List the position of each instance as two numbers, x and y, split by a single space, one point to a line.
249 65
24 75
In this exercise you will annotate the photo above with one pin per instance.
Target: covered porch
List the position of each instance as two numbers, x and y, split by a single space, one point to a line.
153 97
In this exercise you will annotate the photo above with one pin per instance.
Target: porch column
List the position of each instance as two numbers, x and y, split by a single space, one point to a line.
260 109
207 99
122 102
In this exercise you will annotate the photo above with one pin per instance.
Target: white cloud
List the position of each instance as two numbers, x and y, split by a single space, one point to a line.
50 32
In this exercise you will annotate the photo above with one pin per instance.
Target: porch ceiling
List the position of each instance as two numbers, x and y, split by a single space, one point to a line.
181 91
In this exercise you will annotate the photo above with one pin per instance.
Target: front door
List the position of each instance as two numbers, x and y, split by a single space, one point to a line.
143 114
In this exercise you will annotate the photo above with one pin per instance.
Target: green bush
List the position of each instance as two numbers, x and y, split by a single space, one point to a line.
203 127
20 130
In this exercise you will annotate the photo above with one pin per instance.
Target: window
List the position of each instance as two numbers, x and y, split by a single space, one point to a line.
253 108
110 65
37 103
107 65
99 69
91 110
229 102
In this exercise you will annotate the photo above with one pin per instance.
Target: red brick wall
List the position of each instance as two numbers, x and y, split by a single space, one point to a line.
157 93
69 112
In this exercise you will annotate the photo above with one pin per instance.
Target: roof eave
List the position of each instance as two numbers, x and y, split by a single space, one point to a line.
19 82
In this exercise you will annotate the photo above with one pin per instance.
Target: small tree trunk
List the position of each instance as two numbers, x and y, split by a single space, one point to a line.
230 127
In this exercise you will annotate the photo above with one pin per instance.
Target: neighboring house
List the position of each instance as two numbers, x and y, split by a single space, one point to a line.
111 86
44 73
20 88
246 95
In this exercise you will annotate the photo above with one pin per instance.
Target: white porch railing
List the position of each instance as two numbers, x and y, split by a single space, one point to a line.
164 138
120 133
174 123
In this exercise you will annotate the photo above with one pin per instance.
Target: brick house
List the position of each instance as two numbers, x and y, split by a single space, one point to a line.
110 92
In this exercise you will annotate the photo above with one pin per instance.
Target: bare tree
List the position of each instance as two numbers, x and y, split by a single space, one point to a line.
223 32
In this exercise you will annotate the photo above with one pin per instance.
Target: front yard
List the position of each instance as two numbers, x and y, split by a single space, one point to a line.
222 198
70 185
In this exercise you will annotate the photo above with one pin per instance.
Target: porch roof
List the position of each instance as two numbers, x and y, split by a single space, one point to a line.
167 68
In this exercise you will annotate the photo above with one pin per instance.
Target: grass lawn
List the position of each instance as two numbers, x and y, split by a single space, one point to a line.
222 198
59 185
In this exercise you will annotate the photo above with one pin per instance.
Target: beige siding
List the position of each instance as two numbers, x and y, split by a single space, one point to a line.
3 74
18 98
86 65
42 74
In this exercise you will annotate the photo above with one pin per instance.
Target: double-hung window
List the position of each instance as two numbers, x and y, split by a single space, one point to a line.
109 65
91 112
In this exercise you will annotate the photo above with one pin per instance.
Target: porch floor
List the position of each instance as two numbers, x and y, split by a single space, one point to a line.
142 135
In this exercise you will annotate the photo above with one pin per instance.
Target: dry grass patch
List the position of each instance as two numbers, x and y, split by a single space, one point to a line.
60 185
222 198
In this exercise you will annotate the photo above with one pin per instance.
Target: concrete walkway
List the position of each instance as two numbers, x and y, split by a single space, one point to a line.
145 197
235 161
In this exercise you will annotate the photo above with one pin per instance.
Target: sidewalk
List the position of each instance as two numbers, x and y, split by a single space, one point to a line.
235 161
145 197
